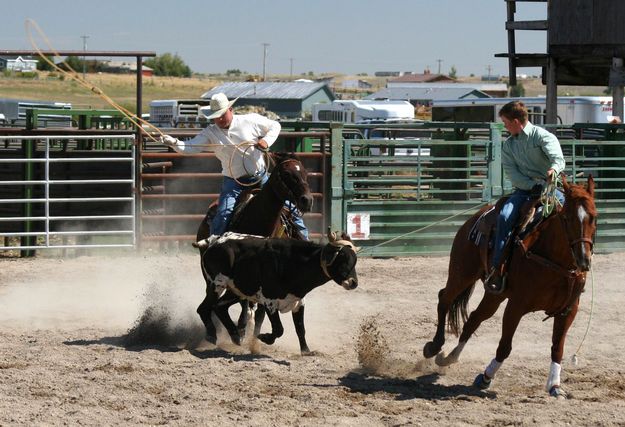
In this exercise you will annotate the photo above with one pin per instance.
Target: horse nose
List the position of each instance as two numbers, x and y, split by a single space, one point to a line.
305 203
585 264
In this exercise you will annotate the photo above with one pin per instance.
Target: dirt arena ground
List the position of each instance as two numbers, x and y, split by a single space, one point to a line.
109 341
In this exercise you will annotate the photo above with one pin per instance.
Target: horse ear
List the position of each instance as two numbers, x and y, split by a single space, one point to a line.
590 186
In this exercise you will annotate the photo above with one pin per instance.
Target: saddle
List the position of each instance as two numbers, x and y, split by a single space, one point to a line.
482 233
287 226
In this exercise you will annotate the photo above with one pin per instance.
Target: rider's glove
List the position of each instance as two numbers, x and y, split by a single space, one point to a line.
169 141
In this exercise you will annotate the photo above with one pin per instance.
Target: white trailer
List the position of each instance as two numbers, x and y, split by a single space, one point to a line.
358 110
178 112
571 109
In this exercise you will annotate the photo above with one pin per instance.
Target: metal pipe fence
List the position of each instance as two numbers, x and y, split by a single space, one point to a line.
66 198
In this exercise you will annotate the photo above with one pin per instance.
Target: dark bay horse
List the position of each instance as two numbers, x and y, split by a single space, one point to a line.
547 271
261 215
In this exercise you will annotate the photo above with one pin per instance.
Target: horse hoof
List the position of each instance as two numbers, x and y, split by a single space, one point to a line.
442 360
267 338
557 392
211 339
481 382
429 350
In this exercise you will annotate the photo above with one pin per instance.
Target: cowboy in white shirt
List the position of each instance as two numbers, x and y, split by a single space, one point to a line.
240 163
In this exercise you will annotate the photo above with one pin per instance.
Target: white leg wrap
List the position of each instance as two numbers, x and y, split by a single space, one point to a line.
492 368
554 376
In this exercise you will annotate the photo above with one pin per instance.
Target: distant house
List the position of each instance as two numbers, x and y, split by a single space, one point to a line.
418 96
287 99
124 67
18 64
426 77
356 84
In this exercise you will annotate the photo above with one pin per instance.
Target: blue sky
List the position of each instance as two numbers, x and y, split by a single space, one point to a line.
343 36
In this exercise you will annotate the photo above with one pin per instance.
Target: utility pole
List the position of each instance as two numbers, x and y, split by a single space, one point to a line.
265 45
439 65
489 68
291 60
84 49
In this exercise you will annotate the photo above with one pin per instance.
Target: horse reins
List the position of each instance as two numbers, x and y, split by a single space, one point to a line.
572 275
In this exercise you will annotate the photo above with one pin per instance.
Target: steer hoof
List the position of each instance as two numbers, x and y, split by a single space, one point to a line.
267 338
481 382
557 392
211 339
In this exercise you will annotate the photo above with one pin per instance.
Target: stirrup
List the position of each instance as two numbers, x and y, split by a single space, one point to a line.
495 283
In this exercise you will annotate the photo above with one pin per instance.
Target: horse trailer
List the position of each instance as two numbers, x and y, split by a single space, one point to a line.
359 110
571 109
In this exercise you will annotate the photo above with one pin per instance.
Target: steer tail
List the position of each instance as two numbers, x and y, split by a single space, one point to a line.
458 311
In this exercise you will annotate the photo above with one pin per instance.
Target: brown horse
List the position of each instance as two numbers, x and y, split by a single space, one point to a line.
260 215
547 271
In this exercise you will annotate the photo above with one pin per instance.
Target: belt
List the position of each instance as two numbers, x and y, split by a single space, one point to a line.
254 177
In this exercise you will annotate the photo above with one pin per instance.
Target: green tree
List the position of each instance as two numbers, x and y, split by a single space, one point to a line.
43 65
453 73
74 62
517 91
168 65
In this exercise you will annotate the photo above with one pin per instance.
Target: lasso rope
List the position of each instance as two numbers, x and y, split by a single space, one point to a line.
72 74
592 304
140 123
548 196
369 248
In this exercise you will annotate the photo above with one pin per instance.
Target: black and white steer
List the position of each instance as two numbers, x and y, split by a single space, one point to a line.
275 273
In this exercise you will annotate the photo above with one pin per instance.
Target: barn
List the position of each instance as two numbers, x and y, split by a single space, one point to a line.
291 100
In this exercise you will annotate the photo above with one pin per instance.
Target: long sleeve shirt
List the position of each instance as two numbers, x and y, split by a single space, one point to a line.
528 156
237 160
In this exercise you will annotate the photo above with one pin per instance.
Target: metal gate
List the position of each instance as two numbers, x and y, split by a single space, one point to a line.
405 189
58 194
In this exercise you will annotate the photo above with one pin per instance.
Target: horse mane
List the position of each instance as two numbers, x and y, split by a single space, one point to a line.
278 157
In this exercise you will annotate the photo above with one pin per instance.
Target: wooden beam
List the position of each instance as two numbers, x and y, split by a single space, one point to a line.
527 25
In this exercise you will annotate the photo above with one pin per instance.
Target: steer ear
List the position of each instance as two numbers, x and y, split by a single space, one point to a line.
331 235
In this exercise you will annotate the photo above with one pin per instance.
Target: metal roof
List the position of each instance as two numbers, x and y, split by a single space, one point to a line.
433 93
269 90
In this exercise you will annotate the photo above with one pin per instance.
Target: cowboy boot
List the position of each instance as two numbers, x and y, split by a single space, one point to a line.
495 282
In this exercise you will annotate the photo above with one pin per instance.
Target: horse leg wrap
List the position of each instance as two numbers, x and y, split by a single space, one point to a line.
554 376
492 368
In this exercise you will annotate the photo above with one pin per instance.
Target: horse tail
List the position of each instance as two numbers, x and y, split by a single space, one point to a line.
458 314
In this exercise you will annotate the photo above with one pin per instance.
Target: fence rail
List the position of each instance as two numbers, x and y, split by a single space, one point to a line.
62 197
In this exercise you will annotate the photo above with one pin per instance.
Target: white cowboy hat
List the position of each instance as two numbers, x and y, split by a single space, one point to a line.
219 105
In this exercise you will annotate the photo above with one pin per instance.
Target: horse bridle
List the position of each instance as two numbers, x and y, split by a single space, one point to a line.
572 274
590 241
281 189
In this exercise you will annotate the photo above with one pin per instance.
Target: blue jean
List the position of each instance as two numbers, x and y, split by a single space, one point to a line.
230 192
508 217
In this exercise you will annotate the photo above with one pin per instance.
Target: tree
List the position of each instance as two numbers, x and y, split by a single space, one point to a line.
168 65
43 65
453 73
74 62
517 91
